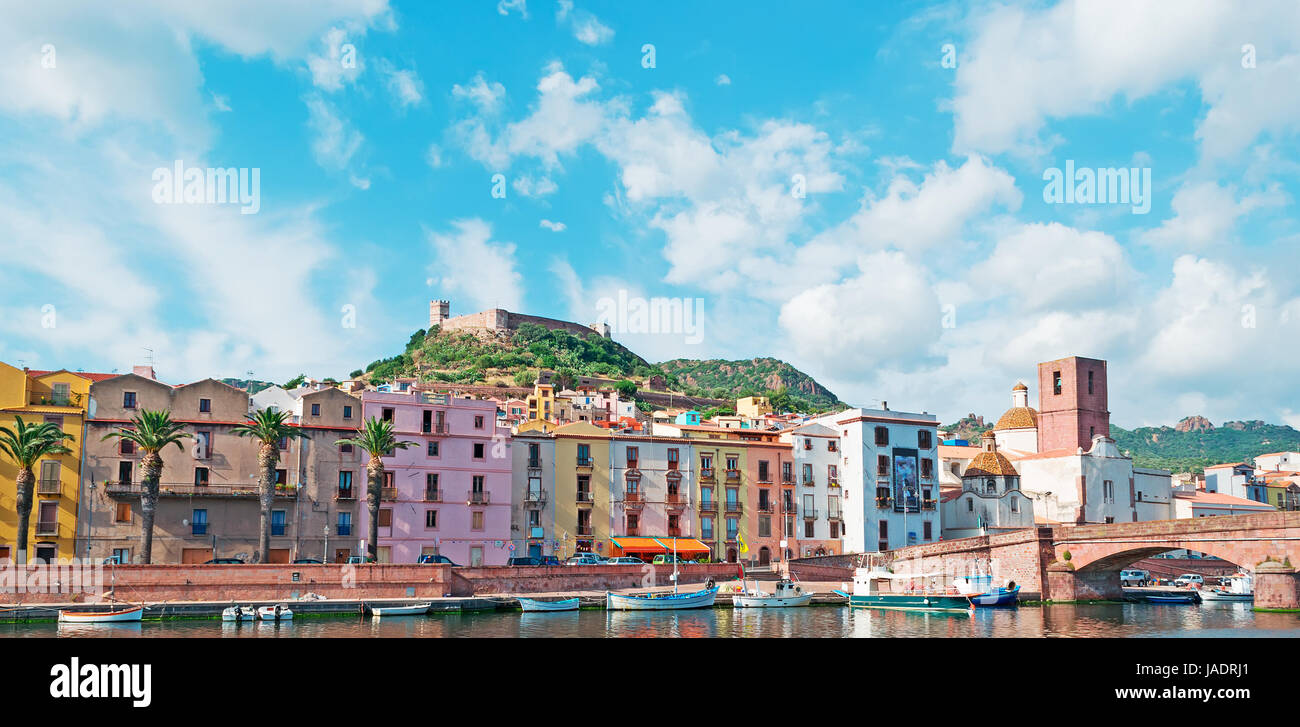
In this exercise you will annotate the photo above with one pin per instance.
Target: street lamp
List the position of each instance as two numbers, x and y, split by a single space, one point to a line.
324 554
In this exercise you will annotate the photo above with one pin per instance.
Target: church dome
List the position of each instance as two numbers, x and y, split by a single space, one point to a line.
1020 386
1018 417
990 464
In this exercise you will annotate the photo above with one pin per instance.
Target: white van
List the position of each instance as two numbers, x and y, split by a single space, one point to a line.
1133 577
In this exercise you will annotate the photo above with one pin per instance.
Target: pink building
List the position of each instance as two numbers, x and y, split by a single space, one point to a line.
450 493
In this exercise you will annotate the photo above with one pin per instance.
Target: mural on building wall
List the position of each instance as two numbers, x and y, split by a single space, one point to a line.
906 488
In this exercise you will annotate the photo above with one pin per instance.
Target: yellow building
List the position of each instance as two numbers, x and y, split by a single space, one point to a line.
753 407
541 403
51 396
582 470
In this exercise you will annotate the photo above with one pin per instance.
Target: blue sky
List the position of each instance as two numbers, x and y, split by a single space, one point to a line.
921 265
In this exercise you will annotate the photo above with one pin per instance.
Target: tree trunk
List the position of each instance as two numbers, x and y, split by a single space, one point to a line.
374 481
267 458
25 485
152 464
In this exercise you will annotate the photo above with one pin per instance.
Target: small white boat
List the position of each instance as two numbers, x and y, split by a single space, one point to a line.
1239 589
101 617
661 602
531 606
239 613
418 609
279 612
787 594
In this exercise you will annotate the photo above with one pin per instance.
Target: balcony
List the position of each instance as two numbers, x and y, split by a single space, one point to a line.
47 487
535 464
432 495
633 532
43 528
733 475
675 501
535 499
927 504
633 500
477 498
708 505
345 494
787 478
50 399
436 428
707 473
766 507
808 481
586 498
584 531
583 463
734 506
631 464
834 515
388 494
832 481
810 513
674 532
884 502
764 478
127 489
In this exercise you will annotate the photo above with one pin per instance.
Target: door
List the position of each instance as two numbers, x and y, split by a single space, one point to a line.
764 556
534 551
47 519
46 553
341 555
476 556
278 555
196 555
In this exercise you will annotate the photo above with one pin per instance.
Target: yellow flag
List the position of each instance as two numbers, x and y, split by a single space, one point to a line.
741 541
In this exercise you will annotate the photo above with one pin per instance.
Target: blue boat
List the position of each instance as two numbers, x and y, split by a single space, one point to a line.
532 606
665 602
1172 598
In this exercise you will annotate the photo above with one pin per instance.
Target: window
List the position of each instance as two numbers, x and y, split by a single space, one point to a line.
882 465
479 448
764 526
584 455
787 472
345 448
1015 504
1092 432
126 446
883 543
476 482
970 505
632 522
632 458
762 471
388 414
431 519
991 486
128 399
431 486
925 530
386 518
882 436
924 439
706 461
1056 383
122 555
807 474
315 410
201 477
478 422
832 473
282 477
476 520
60 392
347 412
123 512
732 498
344 524
205 406
832 445
706 528
672 458
808 531
278 521
1089 382
835 529
124 472
927 468
433 449
584 488
284 444
345 484
203 445
733 462
199 522
733 528
1108 491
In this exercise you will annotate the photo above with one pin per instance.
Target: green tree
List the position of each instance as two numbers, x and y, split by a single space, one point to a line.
377 438
295 382
625 388
151 432
781 400
26 444
524 377
267 426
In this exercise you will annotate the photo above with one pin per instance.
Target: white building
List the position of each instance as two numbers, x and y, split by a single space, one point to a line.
989 500
817 462
1278 462
888 476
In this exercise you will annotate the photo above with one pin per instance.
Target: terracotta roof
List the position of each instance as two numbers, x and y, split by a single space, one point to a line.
995 464
1218 498
1227 464
1020 386
956 450
86 374
948 494
1274 454
1018 417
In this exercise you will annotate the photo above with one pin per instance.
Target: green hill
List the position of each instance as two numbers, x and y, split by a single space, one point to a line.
721 379
1193 450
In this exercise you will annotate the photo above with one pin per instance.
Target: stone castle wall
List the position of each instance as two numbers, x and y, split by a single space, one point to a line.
503 321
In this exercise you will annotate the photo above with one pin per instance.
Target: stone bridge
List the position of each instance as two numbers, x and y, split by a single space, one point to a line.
1082 562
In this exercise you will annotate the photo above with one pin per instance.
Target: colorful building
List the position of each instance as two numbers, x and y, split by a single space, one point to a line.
817 462
582 488
532 506
450 494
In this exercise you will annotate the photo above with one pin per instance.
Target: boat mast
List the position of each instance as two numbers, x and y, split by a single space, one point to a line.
674 566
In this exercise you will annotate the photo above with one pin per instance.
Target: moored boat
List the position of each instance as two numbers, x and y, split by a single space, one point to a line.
787 594
239 613
530 605
102 617
982 593
278 612
661 602
1171 598
418 609
875 588
1239 589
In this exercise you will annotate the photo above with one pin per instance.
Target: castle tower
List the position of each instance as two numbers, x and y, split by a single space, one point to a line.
1072 403
439 311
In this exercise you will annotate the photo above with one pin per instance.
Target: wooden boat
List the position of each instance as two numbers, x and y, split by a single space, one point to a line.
661 602
981 592
239 613
869 592
418 609
279 612
1171 598
530 606
787 595
1239 589
101 617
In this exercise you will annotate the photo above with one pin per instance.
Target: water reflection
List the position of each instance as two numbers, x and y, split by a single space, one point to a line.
1064 620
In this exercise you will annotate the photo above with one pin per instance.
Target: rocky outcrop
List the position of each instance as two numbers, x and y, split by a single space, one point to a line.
1194 424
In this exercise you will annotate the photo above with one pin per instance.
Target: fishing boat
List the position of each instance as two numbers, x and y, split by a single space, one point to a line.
239 613
878 588
1239 589
278 612
1171 598
661 602
981 592
530 605
787 594
101 617
418 609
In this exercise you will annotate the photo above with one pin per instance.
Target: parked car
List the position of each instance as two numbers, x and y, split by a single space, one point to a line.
356 559
583 559
1188 579
668 559
625 560
550 560
436 559
524 561
308 561
224 561
1133 577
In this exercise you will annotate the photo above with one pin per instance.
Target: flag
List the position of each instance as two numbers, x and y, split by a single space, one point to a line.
741 542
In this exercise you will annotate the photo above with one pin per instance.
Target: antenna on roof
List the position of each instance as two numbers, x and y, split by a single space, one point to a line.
148 355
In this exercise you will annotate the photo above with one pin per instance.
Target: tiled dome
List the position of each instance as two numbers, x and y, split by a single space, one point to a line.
1018 417
992 464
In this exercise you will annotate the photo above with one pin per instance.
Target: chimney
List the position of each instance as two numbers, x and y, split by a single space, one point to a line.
145 371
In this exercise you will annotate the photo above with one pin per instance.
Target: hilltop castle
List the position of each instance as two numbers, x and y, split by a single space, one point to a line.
499 320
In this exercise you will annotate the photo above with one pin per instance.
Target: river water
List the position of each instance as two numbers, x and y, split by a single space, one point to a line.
1057 620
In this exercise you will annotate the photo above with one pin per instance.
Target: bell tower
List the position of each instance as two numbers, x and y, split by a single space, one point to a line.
1072 403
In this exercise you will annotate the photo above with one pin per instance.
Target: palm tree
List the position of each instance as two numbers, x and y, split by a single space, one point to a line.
26 444
376 437
268 426
151 432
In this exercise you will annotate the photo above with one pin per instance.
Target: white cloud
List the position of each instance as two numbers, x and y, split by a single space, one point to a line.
529 187
335 141
552 226
723 80
505 7
562 10
335 66
469 265
486 96
1051 266
590 31
1206 214
405 85
433 156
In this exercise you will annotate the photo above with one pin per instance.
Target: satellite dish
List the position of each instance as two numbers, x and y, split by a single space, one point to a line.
185 523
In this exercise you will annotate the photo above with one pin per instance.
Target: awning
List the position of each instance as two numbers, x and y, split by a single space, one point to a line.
685 546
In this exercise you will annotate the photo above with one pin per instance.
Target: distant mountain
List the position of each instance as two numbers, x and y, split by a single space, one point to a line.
1195 443
969 427
252 386
722 379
